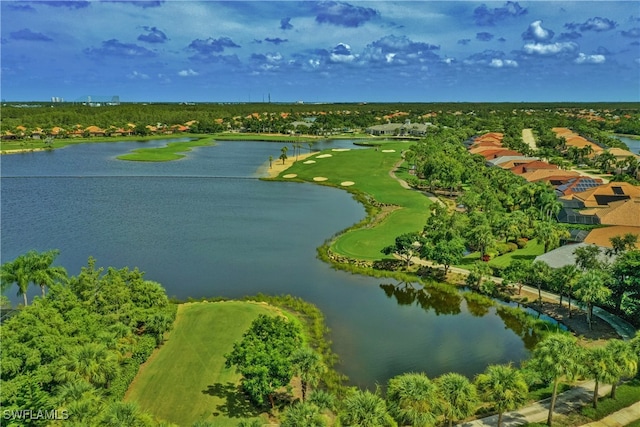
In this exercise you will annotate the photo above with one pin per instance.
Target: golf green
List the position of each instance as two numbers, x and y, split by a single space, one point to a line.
403 210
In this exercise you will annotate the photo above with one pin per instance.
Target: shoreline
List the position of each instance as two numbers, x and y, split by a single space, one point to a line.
277 166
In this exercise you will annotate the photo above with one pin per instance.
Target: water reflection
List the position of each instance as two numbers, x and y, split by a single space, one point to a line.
447 300
442 300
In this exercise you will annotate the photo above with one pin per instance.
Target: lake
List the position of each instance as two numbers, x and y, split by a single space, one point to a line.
633 144
205 226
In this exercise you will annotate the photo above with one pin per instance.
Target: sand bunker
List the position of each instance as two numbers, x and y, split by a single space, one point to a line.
347 183
323 156
289 175
388 151
340 149
320 178
308 162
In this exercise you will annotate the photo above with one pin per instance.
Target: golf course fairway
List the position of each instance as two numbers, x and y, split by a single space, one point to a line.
185 380
367 171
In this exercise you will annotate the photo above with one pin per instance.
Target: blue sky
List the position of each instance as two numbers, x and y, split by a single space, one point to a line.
327 51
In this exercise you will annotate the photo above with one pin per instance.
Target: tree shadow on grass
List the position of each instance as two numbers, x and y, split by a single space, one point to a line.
236 403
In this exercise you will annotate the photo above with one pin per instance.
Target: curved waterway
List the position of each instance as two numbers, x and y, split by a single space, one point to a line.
206 226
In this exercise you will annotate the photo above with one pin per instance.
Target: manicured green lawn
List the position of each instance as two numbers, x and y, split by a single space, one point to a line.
529 252
369 170
171 151
185 380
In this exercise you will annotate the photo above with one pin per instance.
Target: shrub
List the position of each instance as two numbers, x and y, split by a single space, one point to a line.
521 243
145 346
128 371
512 246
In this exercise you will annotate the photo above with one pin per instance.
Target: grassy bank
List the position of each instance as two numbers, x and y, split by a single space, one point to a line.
171 151
185 380
39 144
366 172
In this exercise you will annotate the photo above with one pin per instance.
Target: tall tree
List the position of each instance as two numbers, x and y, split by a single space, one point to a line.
263 356
504 387
600 367
43 272
557 356
406 246
307 364
17 271
592 289
625 362
458 397
625 273
413 400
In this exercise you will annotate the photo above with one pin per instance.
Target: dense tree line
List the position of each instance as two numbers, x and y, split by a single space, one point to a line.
77 349
265 117
414 399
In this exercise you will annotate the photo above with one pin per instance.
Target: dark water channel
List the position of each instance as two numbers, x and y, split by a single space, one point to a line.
205 226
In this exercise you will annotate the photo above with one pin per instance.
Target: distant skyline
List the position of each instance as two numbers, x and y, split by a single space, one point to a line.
326 51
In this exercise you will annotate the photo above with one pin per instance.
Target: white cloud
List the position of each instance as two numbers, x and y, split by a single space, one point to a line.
550 49
136 75
589 59
537 33
342 53
187 73
500 63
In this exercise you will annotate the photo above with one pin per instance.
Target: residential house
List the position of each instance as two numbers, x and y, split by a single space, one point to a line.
602 236
602 195
577 185
532 166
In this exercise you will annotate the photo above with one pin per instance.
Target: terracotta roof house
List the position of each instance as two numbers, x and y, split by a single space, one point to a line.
490 144
552 176
601 236
95 131
532 166
491 136
623 212
621 154
577 185
485 149
602 195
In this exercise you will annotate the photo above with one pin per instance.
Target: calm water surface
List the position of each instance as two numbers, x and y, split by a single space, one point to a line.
205 226
633 144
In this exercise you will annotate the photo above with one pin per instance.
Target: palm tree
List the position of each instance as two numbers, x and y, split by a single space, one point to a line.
557 356
302 414
307 364
538 274
365 409
18 272
592 289
43 273
120 414
599 366
458 397
413 400
563 279
503 386
92 362
625 360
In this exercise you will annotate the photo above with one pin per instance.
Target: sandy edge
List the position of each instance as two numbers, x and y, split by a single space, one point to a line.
277 167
